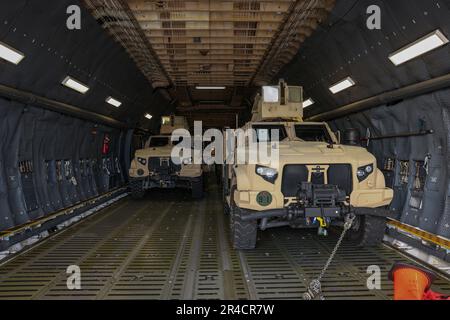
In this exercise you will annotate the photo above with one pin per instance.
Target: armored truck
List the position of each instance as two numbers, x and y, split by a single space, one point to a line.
154 167
315 182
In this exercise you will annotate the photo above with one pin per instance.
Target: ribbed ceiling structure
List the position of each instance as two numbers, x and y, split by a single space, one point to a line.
209 42
239 45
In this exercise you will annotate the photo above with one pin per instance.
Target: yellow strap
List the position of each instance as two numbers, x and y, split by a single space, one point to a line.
322 222
427 236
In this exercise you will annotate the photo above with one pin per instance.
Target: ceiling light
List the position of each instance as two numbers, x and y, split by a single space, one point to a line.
148 116
113 102
308 102
210 88
342 85
10 54
419 47
75 85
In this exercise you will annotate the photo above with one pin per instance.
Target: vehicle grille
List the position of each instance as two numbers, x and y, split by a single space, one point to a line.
293 175
163 165
337 174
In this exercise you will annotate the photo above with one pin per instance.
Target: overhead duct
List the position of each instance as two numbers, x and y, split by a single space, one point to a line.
33 99
416 89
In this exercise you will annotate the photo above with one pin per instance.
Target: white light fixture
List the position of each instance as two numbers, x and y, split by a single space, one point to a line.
209 88
148 116
113 102
419 47
10 54
342 85
75 85
308 102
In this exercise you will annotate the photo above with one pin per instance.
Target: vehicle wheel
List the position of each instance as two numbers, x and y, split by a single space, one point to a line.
243 233
137 189
205 178
367 231
197 189
226 208
218 173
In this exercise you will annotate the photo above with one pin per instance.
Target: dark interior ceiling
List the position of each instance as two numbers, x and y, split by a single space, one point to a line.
346 47
138 73
185 44
38 29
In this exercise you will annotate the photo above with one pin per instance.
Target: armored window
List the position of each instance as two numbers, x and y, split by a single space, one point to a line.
159 141
265 133
165 120
295 94
271 94
313 133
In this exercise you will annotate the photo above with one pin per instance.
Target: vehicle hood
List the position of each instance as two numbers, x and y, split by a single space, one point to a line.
154 152
321 152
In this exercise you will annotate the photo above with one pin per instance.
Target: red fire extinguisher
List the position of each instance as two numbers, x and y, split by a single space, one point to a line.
106 141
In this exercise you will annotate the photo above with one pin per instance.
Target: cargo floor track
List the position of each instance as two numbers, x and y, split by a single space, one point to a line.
167 246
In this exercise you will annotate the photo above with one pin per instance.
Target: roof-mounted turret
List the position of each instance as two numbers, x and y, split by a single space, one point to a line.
278 102
171 123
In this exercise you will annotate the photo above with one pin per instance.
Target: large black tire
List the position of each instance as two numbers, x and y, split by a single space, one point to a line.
243 233
137 189
218 173
197 189
368 231
226 208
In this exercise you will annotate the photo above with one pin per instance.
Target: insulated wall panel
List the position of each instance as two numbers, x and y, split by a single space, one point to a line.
421 172
49 161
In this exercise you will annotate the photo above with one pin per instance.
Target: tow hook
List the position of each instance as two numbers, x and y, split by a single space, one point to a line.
314 289
322 230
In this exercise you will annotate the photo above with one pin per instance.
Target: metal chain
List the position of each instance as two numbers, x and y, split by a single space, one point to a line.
315 288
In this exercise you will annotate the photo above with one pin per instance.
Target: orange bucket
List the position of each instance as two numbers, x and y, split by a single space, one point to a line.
410 282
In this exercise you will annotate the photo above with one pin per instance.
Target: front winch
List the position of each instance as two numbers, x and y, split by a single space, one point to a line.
316 200
320 195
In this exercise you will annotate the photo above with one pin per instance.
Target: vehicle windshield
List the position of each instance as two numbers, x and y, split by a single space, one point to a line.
159 141
317 133
266 132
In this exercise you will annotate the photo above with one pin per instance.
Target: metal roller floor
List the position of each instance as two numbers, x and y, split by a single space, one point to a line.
170 247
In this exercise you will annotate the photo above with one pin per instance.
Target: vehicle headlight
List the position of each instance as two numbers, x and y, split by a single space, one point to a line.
268 174
363 172
142 161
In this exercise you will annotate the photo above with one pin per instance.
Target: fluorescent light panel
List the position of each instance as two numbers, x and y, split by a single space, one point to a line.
209 88
308 103
75 85
113 102
148 116
419 47
10 54
342 85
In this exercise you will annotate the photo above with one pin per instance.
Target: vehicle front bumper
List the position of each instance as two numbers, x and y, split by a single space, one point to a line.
311 212
168 181
360 201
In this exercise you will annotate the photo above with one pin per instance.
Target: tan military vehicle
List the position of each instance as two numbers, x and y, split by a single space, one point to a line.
152 167
316 183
